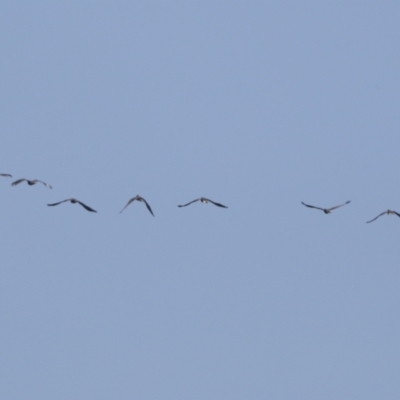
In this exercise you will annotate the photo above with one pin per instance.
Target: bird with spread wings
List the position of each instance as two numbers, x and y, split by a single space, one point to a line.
138 198
326 210
30 182
73 201
204 200
388 212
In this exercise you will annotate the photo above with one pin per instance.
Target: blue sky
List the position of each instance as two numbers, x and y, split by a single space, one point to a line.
256 105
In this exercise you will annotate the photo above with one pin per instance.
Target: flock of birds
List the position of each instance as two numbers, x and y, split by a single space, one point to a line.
201 199
86 207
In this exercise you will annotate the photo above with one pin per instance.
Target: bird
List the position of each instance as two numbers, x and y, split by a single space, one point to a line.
30 182
326 210
388 212
73 201
138 198
204 200
8 175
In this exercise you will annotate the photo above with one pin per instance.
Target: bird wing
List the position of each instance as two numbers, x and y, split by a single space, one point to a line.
308 205
129 202
190 202
86 207
340 205
148 207
56 204
217 204
17 182
385 212
10 176
397 213
44 183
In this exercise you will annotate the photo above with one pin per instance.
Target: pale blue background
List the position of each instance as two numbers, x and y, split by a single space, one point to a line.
257 105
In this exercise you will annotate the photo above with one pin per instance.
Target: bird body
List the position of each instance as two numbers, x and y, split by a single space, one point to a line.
73 201
138 198
30 182
326 210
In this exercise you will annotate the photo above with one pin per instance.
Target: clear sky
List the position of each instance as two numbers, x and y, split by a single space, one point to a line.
256 105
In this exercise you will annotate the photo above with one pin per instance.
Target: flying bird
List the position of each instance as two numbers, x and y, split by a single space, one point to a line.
73 201
326 210
138 198
10 176
204 200
388 212
30 183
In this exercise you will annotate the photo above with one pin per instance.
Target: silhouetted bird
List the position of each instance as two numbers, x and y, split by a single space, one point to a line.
73 201
30 183
204 200
326 210
138 198
388 212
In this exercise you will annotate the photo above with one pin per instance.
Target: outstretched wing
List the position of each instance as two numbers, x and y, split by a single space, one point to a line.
193 201
383 213
44 183
310 206
340 205
86 207
17 182
217 204
148 207
10 176
129 202
56 204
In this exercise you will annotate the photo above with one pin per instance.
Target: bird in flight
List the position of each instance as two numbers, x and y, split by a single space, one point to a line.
73 201
326 210
10 176
388 212
204 200
138 198
30 183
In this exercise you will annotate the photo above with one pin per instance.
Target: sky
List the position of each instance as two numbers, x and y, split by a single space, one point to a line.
258 105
